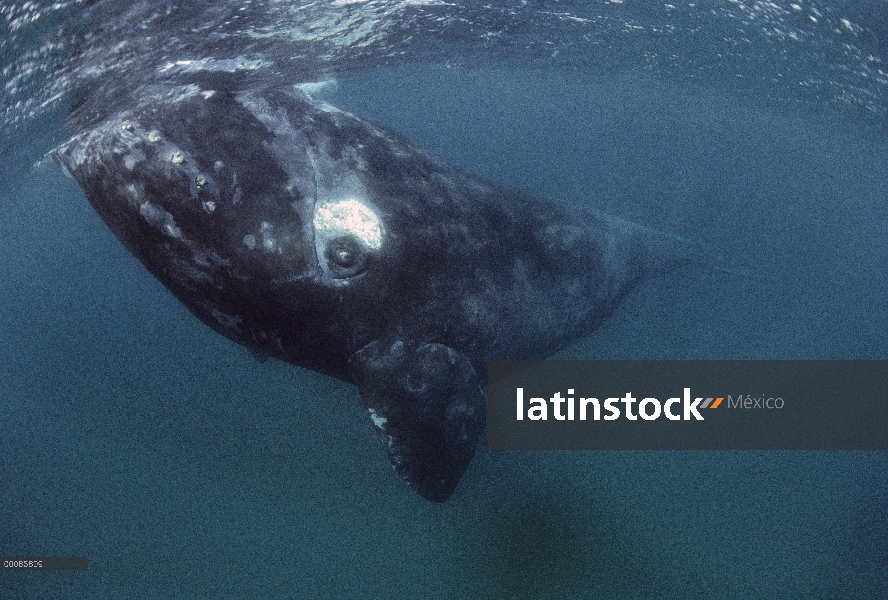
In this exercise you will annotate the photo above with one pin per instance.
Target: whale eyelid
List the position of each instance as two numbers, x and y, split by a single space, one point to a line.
349 217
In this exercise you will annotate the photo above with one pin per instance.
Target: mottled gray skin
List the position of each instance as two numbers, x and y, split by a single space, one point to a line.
218 196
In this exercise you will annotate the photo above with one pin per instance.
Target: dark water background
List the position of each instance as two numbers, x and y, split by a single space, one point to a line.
183 468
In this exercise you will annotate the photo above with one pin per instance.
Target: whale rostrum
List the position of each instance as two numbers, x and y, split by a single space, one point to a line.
326 240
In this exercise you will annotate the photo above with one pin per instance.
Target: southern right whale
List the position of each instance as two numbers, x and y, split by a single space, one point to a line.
329 241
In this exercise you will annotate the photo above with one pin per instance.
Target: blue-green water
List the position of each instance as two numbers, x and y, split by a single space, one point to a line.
133 435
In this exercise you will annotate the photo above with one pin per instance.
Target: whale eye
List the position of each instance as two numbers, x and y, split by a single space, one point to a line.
348 235
345 256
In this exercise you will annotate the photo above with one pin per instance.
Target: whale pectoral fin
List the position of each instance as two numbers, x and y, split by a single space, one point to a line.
426 403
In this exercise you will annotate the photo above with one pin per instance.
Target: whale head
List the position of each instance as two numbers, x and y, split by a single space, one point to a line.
294 229
256 227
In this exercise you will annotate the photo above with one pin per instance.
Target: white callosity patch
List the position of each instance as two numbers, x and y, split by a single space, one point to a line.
133 158
158 217
269 244
349 217
378 421
135 195
229 321
265 239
